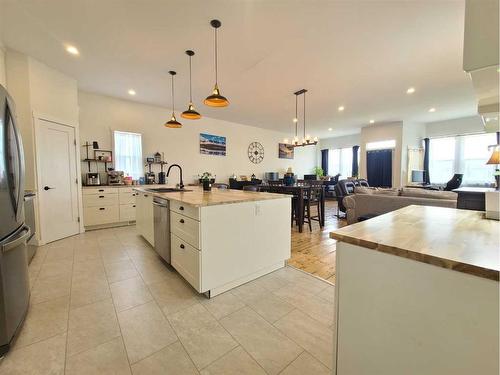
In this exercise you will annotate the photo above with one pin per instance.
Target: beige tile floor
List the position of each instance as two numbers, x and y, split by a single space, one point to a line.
104 303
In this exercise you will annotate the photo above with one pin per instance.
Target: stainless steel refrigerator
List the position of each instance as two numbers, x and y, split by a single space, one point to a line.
14 281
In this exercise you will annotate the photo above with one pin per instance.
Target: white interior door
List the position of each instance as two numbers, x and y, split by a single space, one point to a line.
58 181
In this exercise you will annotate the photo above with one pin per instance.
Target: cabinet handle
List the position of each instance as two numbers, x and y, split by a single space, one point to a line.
133 205
101 196
181 221
101 190
182 246
145 195
181 208
102 208
133 195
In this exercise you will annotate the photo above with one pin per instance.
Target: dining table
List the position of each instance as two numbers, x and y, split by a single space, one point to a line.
298 191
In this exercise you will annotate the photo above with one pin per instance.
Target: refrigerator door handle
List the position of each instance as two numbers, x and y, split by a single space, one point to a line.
20 155
22 237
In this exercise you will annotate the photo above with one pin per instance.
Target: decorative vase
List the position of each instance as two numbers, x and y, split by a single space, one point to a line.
288 180
207 185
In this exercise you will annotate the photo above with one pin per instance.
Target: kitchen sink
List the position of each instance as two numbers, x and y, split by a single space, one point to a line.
166 190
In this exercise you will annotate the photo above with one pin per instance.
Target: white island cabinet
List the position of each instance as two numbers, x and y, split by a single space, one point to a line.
222 239
144 217
417 293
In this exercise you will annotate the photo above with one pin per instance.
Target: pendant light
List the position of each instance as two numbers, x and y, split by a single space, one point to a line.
216 99
190 113
173 123
306 140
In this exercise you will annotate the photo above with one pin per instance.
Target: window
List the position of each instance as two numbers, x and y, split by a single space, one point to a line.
462 154
391 143
340 161
128 153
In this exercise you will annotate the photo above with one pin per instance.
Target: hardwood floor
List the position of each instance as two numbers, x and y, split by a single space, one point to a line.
314 252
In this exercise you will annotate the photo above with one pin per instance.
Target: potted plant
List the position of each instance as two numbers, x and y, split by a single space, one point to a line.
318 171
206 180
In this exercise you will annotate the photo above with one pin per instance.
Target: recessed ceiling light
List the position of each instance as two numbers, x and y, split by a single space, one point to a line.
131 92
329 129
432 109
341 108
372 121
410 90
72 50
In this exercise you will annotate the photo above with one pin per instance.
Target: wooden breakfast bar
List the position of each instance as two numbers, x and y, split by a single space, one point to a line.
418 293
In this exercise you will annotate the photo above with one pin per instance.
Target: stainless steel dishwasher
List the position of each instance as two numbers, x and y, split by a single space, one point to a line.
162 227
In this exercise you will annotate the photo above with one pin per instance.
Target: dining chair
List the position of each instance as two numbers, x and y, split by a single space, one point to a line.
312 198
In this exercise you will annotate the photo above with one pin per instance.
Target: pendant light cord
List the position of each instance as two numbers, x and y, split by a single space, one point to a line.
173 101
190 83
216 67
296 114
304 115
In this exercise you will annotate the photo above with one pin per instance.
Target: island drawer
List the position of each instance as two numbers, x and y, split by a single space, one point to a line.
185 209
127 197
100 190
185 228
97 200
186 260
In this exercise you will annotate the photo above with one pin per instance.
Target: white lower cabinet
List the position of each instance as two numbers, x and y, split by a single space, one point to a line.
145 216
100 215
108 205
216 248
186 260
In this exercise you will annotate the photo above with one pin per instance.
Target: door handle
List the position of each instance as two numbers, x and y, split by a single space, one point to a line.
47 188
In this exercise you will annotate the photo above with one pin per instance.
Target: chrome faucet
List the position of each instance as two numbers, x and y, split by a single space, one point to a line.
181 184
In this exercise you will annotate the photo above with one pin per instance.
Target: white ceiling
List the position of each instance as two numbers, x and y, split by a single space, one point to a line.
360 54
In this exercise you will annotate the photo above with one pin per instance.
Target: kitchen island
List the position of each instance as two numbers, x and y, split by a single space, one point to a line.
418 293
222 238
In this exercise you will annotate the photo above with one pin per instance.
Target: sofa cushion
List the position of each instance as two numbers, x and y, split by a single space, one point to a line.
375 190
364 190
385 191
431 194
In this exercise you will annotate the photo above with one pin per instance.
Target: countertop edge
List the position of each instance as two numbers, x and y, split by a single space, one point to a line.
446 263
170 196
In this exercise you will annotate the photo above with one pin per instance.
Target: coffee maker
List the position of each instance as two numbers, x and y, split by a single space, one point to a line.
115 177
92 179
150 178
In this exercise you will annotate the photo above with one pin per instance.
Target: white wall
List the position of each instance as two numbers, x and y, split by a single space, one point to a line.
38 89
413 134
53 93
459 126
340 142
383 132
3 79
101 115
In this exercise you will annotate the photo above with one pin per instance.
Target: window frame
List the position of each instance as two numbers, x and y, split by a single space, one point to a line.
140 165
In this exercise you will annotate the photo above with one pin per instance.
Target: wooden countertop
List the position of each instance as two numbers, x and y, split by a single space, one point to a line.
460 240
199 198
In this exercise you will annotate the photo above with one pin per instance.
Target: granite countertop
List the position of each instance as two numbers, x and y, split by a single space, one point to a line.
199 198
120 186
460 240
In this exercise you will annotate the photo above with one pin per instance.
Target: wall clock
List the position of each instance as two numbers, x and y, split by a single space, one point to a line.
255 152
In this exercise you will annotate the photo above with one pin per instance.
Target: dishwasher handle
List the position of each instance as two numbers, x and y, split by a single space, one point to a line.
160 205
